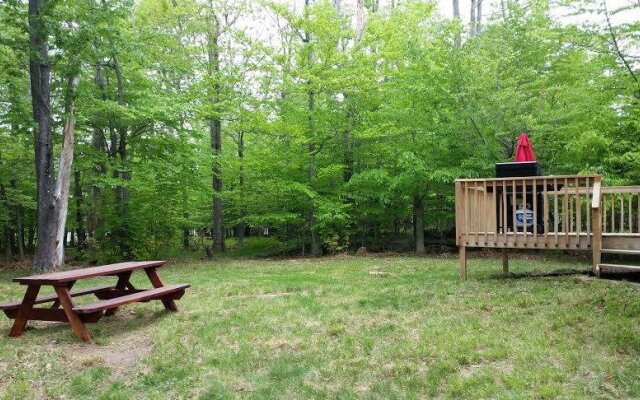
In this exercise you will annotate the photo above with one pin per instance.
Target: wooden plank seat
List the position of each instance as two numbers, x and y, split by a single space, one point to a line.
54 297
168 292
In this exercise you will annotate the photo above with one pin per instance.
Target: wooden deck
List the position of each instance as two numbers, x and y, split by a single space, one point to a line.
547 212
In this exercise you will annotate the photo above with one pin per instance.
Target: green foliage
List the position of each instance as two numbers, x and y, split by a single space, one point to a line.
326 130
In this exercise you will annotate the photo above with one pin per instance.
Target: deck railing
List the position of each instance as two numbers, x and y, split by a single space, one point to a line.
556 212
547 212
621 209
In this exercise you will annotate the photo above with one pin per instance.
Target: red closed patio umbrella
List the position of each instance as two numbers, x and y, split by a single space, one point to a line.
524 151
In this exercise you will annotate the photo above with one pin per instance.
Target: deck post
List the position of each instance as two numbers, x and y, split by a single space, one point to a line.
596 222
505 262
463 263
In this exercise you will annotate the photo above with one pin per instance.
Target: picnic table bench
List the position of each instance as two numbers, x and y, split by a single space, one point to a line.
110 297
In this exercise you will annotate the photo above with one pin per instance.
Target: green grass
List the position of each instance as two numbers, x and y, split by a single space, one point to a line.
345 327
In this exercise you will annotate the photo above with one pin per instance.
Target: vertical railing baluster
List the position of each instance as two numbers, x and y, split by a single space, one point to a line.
534 193
504 210
513 211
496 210
578 210
613 213
556 216
630 213
525 228
565 212
588 205
621 212
475 216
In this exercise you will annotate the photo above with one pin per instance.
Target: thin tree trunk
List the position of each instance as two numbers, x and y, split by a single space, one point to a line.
7 243
472 18
479 17
315 248
359 19
241 227
7 229
98 142
456 17
503 8
418 223
122 191
77 193
215 131
19 227
347 144
31 233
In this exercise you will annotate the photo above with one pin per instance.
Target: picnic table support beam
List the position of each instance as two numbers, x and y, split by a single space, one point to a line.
463 263
56 303
123 282
505 262
152 274
78 327
24 311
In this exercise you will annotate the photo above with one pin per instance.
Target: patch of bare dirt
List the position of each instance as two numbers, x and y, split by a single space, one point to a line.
284 344
124 351
119 355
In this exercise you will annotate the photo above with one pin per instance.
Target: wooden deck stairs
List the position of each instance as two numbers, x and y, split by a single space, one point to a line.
559 212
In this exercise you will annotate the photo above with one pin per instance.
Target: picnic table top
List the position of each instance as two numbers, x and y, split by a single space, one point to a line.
54 278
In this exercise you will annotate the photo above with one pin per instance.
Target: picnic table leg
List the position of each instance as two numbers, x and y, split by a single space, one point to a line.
123 282
76 324
169 304
56 303
25 309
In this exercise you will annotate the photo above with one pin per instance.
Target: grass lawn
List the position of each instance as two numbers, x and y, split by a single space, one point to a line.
348 327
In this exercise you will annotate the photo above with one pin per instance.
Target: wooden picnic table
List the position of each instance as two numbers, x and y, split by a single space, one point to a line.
110 297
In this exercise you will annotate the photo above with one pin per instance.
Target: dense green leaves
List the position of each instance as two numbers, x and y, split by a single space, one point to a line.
325 129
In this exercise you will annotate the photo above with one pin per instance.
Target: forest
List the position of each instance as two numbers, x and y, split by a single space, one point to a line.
156 128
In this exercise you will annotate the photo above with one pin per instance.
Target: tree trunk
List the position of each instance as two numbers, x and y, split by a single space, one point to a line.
46 257
472 18
418 223
122 191
479 17
94 215
185 234
359 19
31 233
77 193
456 16
215 131
347 144
7 243
241 227
315 248
19 227
64 178
6 240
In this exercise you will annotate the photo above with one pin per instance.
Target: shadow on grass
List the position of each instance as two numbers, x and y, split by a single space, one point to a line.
108 329
544 274
613 276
